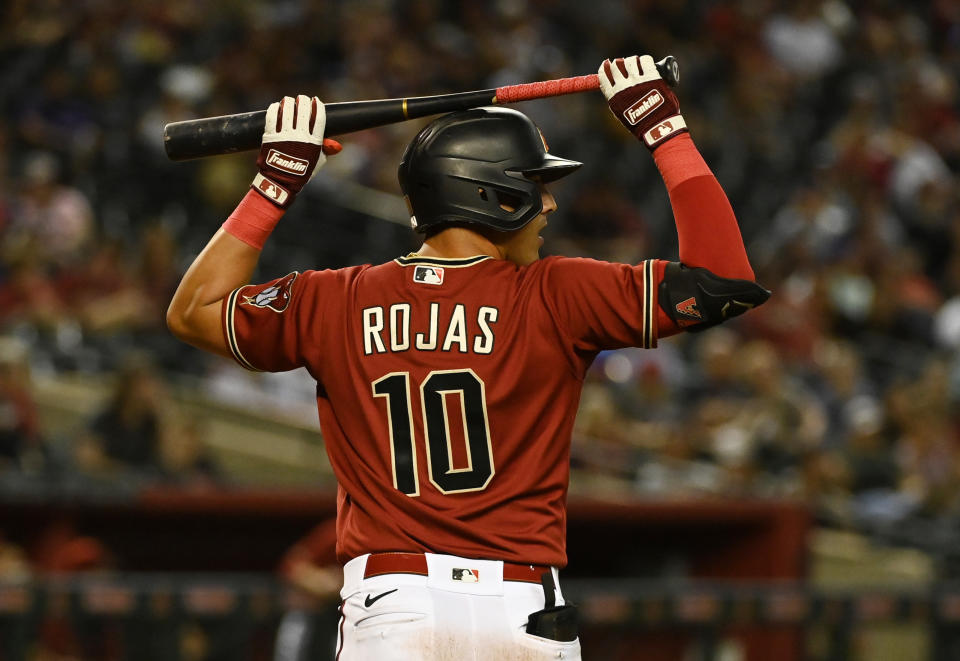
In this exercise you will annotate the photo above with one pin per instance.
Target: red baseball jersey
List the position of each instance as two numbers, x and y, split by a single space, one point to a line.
447 389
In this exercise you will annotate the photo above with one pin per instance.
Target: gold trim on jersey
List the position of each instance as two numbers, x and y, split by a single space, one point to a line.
232 332
446 262
648 337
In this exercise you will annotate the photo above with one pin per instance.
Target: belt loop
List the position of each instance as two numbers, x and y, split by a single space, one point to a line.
353 573
549 589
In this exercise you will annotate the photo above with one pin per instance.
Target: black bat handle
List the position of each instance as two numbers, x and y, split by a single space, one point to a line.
227 134
669 70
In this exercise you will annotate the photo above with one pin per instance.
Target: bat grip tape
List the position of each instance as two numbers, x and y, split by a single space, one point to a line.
545 88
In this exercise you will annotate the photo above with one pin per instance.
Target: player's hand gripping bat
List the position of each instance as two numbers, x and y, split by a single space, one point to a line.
226 134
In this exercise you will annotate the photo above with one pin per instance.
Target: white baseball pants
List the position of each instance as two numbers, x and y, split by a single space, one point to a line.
462 610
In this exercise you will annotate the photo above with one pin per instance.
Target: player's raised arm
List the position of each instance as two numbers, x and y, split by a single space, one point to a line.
293 149
714 280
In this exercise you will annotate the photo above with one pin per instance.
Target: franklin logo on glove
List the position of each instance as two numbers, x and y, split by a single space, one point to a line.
639 110
287 163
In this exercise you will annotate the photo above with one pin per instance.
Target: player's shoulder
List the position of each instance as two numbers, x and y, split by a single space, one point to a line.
557 266
313 284
344 274
558 261
554 275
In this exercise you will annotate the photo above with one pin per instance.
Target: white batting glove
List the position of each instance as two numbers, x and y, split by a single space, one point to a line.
641 99
293 148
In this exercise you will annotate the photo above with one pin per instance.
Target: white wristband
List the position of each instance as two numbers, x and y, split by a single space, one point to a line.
663 130
270 190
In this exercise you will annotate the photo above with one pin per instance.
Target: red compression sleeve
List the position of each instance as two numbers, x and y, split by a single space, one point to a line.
707 228
253 220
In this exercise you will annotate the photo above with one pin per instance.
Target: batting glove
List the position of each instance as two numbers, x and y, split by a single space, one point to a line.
293 148
641 99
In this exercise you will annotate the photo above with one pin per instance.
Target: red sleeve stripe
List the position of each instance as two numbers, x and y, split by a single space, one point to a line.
232 332
649 340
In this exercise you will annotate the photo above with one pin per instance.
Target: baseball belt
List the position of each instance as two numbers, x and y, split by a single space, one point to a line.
379 564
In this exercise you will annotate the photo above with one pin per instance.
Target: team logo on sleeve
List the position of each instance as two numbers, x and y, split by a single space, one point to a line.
466 575
276 296
431 275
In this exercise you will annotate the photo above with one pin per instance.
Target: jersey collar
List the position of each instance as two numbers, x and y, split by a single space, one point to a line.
449 262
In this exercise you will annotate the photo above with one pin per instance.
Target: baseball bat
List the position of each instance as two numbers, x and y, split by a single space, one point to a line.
212 136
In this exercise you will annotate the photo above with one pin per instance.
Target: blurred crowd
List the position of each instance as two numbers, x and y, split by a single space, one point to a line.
834 127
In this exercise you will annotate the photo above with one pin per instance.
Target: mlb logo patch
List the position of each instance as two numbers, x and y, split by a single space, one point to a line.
431 275
667 127
660 131
466 575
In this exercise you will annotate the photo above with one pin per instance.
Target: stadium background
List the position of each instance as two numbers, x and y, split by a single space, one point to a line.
785 486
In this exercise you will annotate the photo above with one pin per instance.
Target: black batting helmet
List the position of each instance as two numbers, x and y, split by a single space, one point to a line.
463 166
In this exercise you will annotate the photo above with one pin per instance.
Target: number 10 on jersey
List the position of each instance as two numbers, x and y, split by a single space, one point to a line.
434 390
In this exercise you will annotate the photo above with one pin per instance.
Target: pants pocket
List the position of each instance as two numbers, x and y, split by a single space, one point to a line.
379 621
551 649
385 636
385 619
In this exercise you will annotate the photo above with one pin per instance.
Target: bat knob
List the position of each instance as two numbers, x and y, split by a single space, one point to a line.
669 70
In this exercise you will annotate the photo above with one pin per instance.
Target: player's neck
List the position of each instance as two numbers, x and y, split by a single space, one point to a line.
455 242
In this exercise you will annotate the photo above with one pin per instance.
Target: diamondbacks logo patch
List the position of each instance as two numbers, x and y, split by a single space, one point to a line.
688 308
466 575
430 275
275 297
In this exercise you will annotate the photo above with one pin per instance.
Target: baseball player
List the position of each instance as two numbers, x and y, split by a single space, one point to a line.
448 379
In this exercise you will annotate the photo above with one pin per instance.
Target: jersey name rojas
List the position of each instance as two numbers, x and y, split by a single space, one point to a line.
394 329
